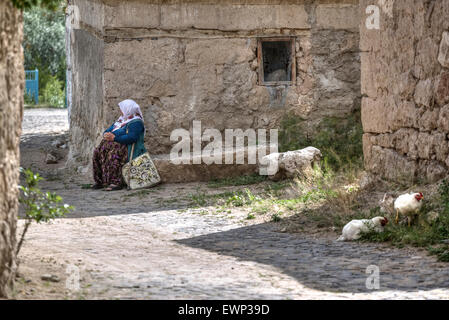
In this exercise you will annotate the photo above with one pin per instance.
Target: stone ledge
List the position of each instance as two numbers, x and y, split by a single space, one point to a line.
174 173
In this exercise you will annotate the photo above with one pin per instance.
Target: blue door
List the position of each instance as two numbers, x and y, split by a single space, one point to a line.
32 84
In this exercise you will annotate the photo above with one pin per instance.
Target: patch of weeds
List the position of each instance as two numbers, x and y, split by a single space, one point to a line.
422 233
250 216
237 181
242 198
316 194
198 199
86 186
276 217
201 212
261 207
442 253
237 198
276 188
340 140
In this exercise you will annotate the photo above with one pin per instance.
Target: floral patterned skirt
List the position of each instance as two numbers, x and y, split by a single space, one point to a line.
109 158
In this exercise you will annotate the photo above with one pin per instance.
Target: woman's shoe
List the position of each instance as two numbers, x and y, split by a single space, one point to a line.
113 187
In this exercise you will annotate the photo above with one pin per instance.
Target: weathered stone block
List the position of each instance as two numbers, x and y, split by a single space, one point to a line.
373 116
443 56
404 115
404 85
443 121
442 88
131 14
424 93
90 13
291 164
426 58
233 17
337 16
429 120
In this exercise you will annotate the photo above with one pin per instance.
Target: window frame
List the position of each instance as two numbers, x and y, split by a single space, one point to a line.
261 80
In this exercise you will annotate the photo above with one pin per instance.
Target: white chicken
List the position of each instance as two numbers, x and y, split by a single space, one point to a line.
408 204
354 229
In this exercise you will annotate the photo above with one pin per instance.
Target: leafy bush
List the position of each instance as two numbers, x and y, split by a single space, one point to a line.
53 94
44 43
39 206
29 98
24 4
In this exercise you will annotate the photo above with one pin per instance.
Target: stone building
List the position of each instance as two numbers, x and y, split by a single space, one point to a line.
227 63
12 78
405 88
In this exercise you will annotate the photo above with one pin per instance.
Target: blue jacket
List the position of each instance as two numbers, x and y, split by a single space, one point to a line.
132 133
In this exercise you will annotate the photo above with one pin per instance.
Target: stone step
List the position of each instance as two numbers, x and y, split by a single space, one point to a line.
190 172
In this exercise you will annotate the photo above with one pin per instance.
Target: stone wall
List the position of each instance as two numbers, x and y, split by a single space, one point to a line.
85 77
405 88
11 104
197 60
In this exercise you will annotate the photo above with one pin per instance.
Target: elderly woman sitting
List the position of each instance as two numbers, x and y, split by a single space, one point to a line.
114 150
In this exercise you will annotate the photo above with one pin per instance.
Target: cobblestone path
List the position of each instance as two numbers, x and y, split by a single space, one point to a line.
153 246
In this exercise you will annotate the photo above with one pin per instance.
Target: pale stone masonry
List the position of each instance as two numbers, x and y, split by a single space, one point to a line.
198 60
405 88
12 78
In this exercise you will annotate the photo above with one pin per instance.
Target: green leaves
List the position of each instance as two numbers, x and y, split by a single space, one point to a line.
40 206
44 43
53 94
25 4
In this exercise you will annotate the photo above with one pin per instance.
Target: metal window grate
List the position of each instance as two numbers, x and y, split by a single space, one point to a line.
277 63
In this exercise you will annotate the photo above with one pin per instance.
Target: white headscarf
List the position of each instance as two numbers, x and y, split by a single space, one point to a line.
131 111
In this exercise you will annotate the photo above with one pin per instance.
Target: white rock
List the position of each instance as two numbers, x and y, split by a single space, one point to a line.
291 163
443 57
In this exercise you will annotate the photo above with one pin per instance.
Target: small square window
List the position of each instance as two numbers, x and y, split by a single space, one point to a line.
276 61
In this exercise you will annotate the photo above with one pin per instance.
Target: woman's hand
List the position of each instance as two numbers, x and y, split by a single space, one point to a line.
108 136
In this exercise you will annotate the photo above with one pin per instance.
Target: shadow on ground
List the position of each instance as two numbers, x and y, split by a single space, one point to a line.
323 264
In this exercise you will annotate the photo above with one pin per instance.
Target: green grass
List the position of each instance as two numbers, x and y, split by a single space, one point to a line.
422 233
250 216
237 181
339 140
276 217
238 198
41 106
277 188
442 253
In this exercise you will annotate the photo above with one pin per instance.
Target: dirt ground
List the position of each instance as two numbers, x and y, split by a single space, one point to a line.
158 244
